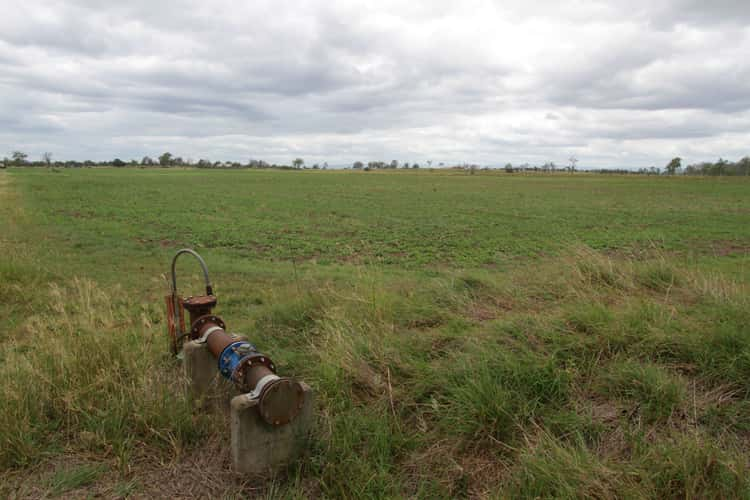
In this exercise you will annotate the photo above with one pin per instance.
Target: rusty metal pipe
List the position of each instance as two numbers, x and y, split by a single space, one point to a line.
280 399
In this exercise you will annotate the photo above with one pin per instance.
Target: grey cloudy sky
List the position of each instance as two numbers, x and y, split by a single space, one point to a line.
619 83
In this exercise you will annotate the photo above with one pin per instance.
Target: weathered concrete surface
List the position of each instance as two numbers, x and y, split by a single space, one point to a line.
258 447
205 383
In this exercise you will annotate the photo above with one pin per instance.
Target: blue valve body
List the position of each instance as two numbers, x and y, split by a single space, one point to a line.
232 355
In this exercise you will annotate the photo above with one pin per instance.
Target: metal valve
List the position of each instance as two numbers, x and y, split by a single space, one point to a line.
280 399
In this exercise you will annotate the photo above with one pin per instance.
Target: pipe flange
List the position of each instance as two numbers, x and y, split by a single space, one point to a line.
198 302
281 400
245 365
201 322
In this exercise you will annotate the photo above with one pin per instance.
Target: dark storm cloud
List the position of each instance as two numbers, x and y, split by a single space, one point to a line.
615 83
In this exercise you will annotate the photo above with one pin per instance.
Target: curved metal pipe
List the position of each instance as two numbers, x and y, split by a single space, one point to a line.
175 297
209 288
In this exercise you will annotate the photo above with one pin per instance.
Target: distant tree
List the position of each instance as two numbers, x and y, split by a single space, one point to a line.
165 159
325 165
720 167
508 168
394 164
118 163
316 167
572 165
298 163
405 165
743 166
673 166
358 165
47 158
415 165
147 160
18 157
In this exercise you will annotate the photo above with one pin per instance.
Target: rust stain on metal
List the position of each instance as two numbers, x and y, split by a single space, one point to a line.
199 306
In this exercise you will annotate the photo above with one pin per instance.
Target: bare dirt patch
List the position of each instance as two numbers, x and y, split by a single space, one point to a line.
726 248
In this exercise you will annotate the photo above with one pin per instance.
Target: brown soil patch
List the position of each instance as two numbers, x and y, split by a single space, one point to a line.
202 472
725 248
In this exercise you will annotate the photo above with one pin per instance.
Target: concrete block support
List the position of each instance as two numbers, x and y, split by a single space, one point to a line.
200 368
205 383
258 447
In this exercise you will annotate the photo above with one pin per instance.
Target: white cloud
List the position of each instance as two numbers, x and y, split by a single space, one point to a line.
616 83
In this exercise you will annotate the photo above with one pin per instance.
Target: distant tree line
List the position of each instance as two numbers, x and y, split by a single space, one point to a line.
721 167
381 165
166 160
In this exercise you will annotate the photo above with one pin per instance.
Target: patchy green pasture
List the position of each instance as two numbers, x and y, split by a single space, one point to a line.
487 335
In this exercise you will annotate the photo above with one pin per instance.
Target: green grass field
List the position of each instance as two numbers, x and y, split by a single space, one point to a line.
488 335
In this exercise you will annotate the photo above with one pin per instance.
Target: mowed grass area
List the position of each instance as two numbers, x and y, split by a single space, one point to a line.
485 335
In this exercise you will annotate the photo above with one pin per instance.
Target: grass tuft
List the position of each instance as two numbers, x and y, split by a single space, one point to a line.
656 393
693 468
551 469
657 275
86 375
496 394
65 480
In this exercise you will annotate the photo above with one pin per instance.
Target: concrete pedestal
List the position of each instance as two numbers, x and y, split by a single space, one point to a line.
205 383
258 447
